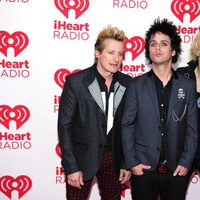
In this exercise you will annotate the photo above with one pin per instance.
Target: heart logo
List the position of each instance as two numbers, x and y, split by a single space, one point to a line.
22 184
182 7
124 188
58 152
18 41
79 6
61 74
20 114
135 45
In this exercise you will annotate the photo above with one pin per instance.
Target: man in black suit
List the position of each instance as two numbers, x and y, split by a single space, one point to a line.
159 123
89 121
193 71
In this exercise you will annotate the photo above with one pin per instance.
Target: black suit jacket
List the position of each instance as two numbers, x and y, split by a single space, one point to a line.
82 124
188 72
141 136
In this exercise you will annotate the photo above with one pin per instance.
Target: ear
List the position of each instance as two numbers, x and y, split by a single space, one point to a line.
97 54
173 53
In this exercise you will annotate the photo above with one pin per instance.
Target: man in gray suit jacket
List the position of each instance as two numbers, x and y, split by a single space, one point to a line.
159 123
89 122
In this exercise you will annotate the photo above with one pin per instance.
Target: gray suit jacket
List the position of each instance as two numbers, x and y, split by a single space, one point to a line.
141 137
82 125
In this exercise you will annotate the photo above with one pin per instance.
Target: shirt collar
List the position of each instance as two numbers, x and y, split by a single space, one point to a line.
152 74
101 80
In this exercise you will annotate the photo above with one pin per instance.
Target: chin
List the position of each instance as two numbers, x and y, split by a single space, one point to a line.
114 71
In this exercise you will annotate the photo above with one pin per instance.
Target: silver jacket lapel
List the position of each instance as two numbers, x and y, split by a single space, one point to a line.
96 93
118 94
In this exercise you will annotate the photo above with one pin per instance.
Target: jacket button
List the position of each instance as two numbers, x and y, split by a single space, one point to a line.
158 149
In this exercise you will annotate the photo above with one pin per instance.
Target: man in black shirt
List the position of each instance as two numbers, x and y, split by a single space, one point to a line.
89 122
159 123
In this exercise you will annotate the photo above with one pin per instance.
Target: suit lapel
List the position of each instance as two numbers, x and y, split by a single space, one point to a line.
96 93
152 91
174 93
118 94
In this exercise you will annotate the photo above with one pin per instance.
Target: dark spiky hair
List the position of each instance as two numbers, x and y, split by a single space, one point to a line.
168 28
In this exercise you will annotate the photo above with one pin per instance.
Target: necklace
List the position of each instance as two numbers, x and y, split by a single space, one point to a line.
176 118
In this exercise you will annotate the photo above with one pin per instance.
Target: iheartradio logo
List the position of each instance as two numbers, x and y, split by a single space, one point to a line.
22 184
135 45
57 149
182 7
124 188
79 6
61 74
20 114
194 179
18 41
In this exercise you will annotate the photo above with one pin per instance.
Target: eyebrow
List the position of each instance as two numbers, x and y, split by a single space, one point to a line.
161 41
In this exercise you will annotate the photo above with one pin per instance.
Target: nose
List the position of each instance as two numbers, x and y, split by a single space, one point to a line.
116 58
158 46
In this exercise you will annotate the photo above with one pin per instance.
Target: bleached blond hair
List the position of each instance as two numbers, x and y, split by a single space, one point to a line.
109 32
195 47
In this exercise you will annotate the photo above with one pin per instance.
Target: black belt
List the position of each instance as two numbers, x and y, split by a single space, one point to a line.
108 148
162 168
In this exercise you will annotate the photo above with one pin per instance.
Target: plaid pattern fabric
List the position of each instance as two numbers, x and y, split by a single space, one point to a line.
74 193
108 183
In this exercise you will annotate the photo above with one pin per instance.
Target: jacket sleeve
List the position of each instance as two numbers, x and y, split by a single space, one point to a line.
67 110
128 127
191 137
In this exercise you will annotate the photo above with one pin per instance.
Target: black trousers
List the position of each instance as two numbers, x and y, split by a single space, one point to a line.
152 185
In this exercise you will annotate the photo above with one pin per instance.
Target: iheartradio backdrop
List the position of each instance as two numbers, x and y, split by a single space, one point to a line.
42 42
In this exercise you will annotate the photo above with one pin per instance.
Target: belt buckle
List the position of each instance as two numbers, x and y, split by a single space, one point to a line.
162 168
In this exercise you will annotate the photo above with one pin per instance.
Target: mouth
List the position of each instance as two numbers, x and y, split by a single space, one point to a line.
114 65
158 54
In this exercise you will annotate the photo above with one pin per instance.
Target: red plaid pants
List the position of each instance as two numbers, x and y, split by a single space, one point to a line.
108 184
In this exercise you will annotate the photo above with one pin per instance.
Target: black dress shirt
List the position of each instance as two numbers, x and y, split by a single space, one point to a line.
163 95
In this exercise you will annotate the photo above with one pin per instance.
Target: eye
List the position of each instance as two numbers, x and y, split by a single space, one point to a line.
153 44
111 52
120 54
164 43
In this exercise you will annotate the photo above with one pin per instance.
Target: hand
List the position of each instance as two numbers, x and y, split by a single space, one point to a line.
124 176
180 170
138 169
75 179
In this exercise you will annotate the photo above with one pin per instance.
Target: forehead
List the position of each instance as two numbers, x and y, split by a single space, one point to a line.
160 36
112 43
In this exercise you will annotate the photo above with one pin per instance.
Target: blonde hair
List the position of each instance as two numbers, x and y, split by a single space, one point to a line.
195 47
108 33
